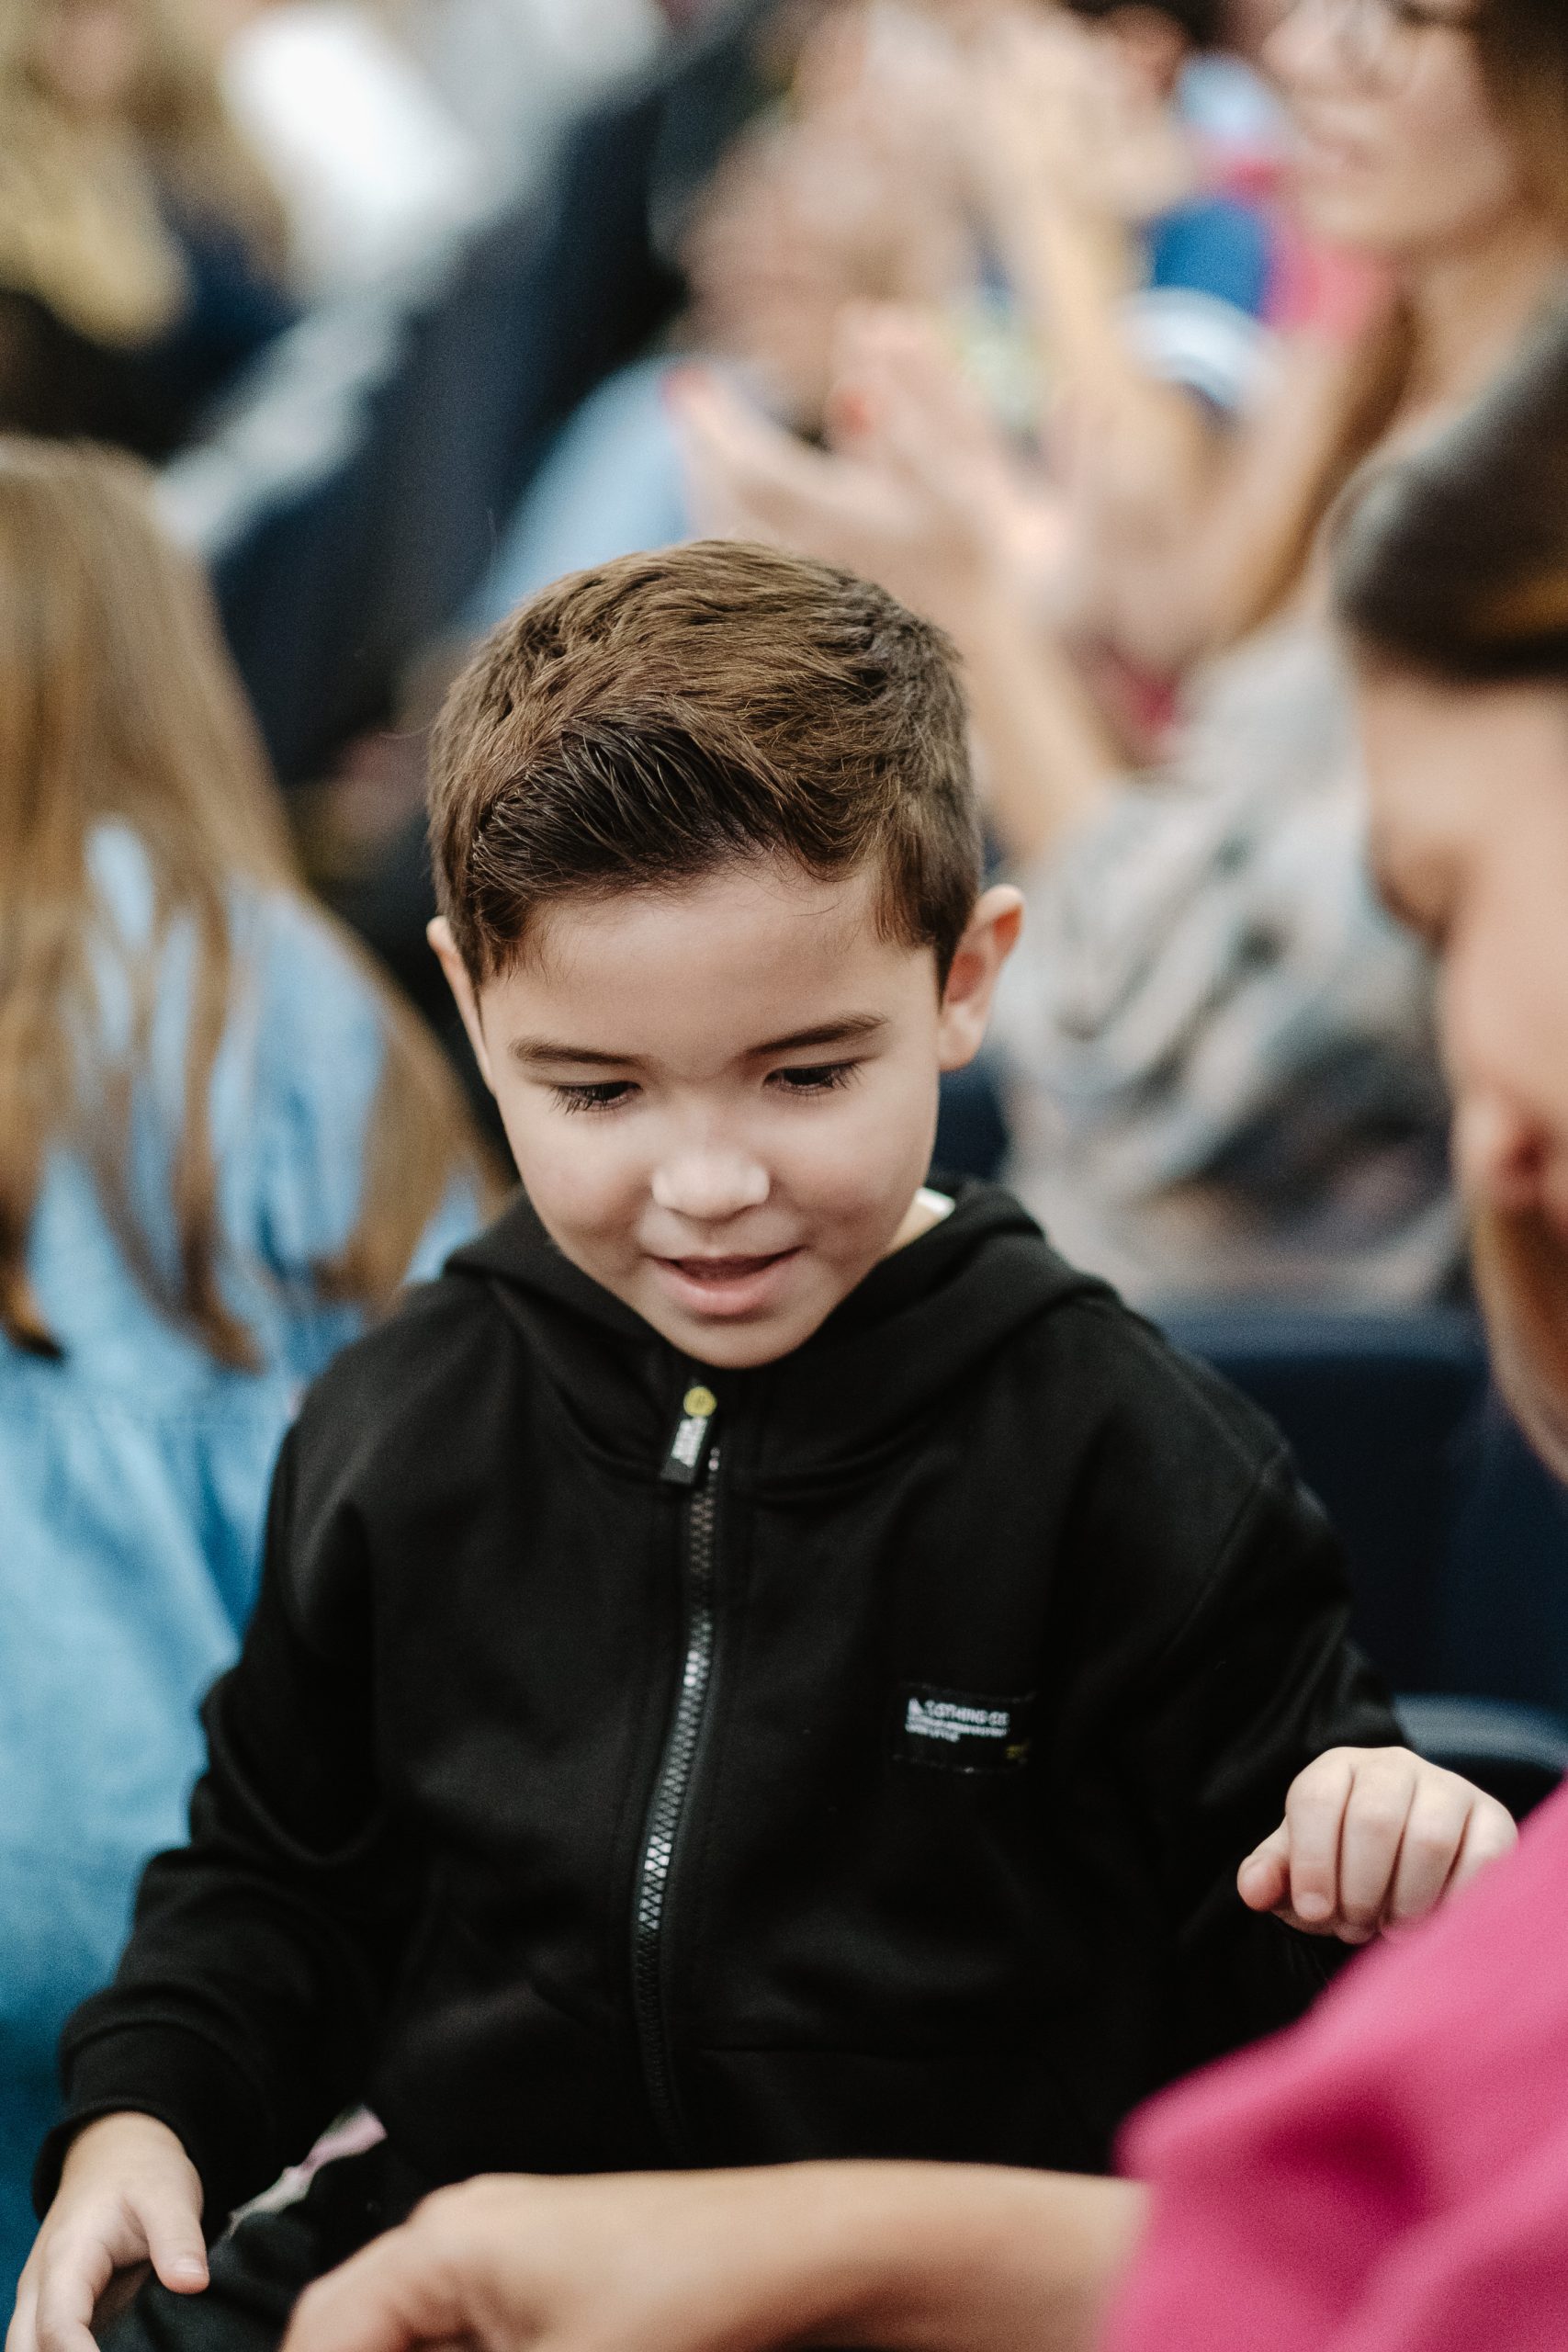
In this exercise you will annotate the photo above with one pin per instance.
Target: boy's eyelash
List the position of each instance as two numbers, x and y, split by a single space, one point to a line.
819 1078
600 1094
609 1093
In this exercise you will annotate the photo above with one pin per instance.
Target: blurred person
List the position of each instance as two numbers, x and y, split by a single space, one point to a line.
862 195
1143 266
1223 1076
1390 2176
801 216
1120 111
142 247
223 1147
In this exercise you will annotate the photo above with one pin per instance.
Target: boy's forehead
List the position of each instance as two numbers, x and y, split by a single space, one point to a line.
738 957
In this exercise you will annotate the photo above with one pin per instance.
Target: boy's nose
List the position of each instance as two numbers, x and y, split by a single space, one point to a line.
708 1186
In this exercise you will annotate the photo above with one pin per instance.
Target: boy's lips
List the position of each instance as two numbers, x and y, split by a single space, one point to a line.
727 1285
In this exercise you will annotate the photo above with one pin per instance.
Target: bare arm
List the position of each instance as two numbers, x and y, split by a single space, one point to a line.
1046 761
1171 579
1182 523
1064 157
908 2257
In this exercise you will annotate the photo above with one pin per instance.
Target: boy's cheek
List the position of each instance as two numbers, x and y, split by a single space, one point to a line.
576 1189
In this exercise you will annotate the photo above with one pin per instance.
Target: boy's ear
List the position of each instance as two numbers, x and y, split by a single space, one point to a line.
989 939
439 933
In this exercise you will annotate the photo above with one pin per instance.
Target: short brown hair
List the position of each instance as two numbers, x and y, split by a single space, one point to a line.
647 723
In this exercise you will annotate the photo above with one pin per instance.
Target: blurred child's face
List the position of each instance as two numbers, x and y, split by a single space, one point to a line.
1150 47
722 1097
1469 811
89 54
1401 153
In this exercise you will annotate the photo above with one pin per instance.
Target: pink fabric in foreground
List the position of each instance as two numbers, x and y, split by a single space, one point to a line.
1391 2175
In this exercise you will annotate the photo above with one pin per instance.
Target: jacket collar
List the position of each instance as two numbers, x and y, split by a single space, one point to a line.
909 1336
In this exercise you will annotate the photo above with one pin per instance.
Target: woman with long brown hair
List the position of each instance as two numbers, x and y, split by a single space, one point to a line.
223 1144
1224 1076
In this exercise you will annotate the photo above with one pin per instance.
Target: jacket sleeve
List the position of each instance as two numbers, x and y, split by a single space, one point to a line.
1257 1679
246 2000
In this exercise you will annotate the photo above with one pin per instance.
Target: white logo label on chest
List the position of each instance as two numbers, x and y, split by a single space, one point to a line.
947 1719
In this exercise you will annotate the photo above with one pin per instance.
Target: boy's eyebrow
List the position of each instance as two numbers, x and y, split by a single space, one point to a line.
851 1030
534 1053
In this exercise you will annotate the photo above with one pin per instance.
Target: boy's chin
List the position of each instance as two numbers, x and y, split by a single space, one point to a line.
736 1351
729 1346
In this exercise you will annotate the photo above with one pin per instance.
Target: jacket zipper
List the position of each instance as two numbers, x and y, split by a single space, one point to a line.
664 1812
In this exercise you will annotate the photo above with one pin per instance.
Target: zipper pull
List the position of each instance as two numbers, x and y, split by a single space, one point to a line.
689 1446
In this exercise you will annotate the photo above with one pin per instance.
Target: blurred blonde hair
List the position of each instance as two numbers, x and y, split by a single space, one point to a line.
179 111
118 702
81 223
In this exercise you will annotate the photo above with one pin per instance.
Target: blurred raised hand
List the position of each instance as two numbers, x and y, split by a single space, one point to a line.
915 492
917 486
1061 115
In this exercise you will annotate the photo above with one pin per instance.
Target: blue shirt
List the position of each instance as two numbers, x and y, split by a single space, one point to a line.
134 1473
1197 320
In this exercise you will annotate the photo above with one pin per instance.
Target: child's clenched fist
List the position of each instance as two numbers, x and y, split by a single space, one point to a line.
1372 1838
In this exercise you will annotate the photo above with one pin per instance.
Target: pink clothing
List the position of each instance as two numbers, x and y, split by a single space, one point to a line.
1392 2175
1323 289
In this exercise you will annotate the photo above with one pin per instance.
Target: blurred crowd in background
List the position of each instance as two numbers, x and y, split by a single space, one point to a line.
1068 319
1031 311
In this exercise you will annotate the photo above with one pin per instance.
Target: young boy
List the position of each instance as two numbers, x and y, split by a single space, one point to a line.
761 1659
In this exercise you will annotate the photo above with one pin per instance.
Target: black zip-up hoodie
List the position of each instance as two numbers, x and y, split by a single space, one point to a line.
879 1790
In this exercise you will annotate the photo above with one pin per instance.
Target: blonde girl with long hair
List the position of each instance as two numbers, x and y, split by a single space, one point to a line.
143 248
223 1145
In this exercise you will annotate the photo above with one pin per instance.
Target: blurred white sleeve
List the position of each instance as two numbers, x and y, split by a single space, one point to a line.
515 71
375 173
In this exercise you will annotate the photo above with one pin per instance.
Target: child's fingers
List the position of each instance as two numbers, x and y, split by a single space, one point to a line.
386 2297
1490 1833
1383 1787
1430 1851
119 2296
175 2243
1263 1880
76 2269
1314 1813
910 441
766 479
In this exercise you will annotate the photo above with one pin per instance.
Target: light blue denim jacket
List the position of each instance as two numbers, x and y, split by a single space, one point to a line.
133 1474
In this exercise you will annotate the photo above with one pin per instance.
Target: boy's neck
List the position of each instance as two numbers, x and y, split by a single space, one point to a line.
926 1209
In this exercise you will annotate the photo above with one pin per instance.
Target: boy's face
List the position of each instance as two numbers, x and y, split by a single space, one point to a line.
721 1098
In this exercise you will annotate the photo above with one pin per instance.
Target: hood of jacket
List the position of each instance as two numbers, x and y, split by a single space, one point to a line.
911 1334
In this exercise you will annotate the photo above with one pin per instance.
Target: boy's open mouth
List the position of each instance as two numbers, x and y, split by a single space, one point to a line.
727 1286
727 1270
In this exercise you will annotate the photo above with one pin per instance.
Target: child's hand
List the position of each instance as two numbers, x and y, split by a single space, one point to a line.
1372 1837
129 2196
